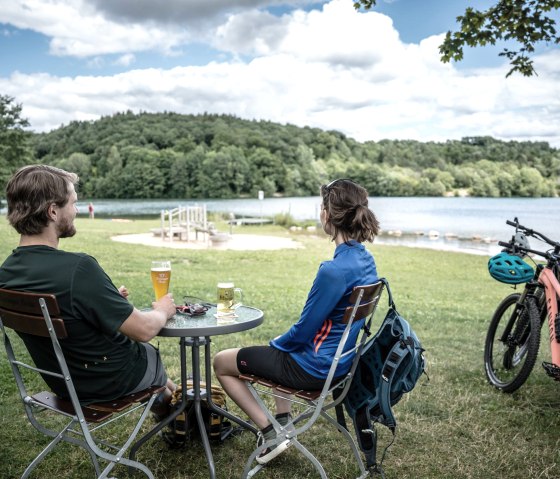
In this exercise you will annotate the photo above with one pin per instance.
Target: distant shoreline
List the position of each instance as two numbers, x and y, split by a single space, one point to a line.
475 244
489 250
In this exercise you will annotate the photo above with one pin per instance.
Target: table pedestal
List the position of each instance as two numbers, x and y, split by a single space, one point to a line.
197 395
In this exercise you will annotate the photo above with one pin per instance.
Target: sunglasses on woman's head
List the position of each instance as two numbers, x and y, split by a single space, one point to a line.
334 182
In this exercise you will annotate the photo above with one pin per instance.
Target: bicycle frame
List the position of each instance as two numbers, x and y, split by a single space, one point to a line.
552 292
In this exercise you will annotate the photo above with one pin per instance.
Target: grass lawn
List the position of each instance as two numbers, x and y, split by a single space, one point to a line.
452 426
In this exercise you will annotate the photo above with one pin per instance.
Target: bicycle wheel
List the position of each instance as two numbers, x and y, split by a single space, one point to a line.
512 343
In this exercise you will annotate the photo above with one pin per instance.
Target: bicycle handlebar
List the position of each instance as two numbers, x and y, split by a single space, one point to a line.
544 254
535 234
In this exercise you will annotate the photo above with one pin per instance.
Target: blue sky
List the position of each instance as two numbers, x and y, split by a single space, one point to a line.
371 75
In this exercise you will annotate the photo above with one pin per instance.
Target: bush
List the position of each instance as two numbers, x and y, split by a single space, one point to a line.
284 219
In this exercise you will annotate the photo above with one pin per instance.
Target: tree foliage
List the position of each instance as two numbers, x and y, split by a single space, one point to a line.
168 155
525 22
14 151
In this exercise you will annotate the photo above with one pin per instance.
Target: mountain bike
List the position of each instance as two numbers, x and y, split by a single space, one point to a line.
513 338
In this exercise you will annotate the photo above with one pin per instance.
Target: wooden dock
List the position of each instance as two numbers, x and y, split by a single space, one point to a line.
250 221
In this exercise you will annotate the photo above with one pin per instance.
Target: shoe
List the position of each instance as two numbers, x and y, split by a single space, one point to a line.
157 418
271 452
160 412
173 440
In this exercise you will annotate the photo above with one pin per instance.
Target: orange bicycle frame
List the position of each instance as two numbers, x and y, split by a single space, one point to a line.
552 292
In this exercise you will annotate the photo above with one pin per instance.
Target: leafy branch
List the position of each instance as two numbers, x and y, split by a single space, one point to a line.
526 22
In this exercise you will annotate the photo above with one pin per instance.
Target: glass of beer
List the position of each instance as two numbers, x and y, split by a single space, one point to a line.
161 275
226 294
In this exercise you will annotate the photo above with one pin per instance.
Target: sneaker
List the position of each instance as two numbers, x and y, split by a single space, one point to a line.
157 418
271 452
160 412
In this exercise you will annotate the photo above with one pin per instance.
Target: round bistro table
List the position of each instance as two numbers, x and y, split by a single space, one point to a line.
194 332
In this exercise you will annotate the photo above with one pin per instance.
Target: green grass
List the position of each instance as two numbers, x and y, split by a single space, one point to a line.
453 426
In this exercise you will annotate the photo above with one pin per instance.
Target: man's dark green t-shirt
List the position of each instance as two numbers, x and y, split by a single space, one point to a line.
104 363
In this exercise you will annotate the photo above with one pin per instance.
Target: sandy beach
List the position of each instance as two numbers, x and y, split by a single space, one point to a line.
237 242
249 242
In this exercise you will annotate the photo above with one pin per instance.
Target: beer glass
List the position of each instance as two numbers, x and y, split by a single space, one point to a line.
161 275
226 295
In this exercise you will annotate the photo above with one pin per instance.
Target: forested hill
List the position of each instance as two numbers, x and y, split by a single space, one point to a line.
167 155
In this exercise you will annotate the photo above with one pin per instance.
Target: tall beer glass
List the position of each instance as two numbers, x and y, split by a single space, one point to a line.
161 275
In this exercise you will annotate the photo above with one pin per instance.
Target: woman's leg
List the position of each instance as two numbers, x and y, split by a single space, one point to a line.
225 367
283 405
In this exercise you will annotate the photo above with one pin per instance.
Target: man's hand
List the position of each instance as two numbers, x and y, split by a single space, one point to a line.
144 325
166 305
124 291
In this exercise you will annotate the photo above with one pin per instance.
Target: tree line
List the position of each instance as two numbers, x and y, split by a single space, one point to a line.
170 155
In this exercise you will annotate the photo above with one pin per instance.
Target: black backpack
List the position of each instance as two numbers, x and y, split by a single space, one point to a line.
184 428
390 365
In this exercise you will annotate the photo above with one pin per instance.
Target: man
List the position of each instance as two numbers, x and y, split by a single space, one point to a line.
106 349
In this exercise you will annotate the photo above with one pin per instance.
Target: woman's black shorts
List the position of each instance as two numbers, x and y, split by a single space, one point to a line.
278 366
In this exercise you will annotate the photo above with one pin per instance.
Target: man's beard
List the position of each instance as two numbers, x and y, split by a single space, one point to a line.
66 229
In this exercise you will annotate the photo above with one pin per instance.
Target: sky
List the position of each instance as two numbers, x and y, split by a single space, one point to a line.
371 75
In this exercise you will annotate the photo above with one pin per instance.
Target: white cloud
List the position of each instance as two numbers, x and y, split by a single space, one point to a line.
333 68
337 35
77 29
96 63
125 60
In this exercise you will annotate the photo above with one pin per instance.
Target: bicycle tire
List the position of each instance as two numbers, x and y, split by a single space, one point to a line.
508 366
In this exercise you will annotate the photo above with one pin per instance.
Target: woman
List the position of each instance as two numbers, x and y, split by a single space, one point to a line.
301 357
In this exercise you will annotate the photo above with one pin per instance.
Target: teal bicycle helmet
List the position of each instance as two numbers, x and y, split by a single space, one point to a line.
510 269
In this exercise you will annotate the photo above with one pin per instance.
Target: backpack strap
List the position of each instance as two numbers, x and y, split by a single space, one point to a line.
396 356
339 410
367 440
390 295
366 435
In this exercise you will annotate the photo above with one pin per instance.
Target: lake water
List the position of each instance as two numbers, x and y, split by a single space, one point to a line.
457 220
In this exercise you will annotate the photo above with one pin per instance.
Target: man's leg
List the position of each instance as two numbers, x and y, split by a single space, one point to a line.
155 375
161 404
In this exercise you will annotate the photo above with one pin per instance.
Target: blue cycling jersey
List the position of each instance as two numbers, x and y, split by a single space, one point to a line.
313 340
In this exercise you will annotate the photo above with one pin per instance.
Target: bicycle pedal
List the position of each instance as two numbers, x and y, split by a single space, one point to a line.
552 370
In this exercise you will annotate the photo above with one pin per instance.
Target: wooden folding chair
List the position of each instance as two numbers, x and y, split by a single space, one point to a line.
364 300
30 314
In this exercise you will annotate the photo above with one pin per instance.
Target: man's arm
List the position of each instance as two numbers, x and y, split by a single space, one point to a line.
144 325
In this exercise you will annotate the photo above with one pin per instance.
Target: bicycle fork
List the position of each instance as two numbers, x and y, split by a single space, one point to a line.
515 338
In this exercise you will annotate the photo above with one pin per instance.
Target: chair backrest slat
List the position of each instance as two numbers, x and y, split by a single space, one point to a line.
369 300
34 325
27 302
362 311
370 291
22 312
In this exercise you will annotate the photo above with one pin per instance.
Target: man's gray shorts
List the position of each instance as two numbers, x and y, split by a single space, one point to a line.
155 372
